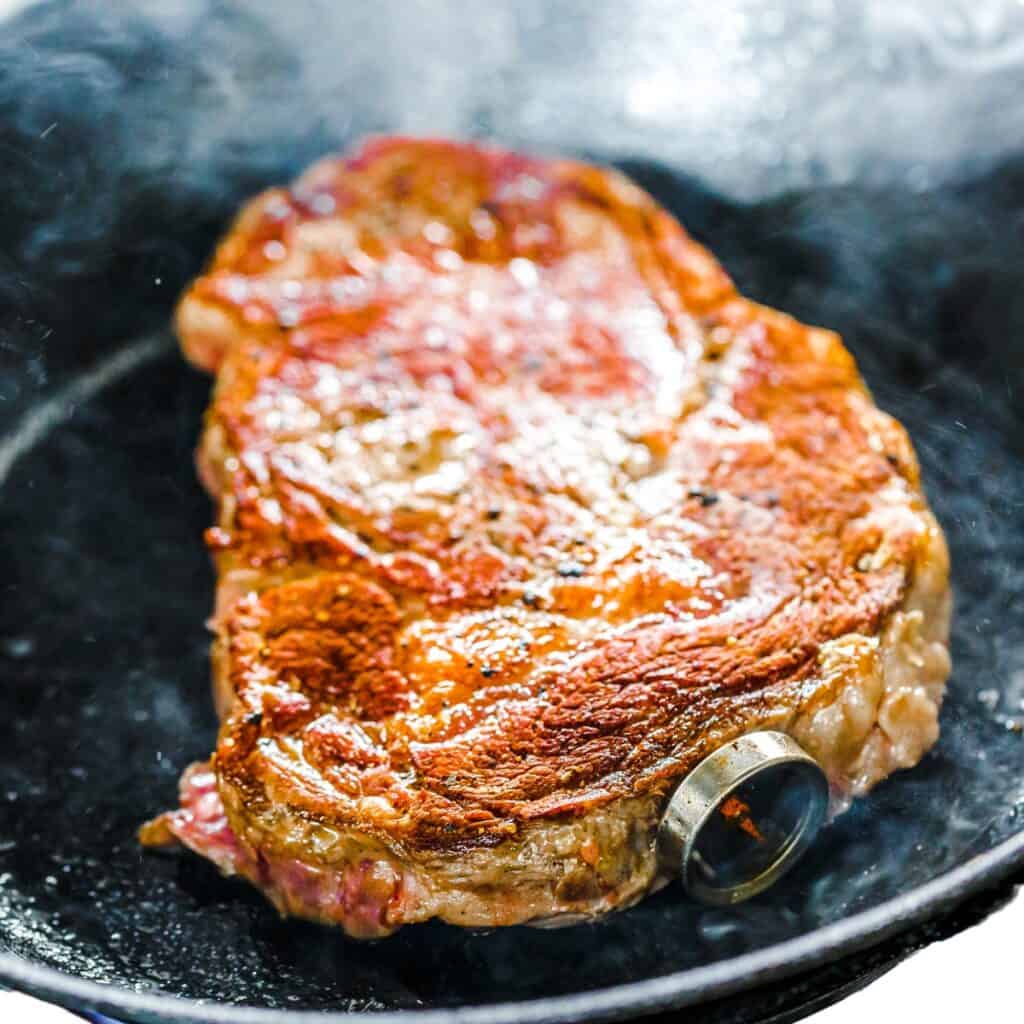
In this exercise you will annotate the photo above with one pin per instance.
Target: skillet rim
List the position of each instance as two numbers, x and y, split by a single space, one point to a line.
672 991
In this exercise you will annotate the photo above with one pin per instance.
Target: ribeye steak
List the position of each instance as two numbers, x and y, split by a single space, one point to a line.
523 510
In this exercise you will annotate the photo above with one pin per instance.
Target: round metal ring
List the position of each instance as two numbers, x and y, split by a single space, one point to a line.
743 817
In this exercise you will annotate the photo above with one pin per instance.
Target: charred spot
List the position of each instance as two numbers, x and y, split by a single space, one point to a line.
254 718
578 886
494 512
531 599
487 672
707 498
593 197
571 570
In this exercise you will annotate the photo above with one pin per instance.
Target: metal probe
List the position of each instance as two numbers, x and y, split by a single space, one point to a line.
743 817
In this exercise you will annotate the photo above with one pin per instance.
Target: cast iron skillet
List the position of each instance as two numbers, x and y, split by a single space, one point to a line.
126 143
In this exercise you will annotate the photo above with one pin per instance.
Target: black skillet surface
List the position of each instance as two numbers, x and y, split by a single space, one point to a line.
125 143
793 998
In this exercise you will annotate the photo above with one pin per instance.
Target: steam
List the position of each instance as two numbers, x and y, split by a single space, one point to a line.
130 132
124 143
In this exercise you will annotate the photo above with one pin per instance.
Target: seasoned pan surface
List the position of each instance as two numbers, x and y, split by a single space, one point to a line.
105 584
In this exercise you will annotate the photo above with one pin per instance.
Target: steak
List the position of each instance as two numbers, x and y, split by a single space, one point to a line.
522 511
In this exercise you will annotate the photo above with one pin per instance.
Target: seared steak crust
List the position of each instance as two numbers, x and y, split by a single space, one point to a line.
523 510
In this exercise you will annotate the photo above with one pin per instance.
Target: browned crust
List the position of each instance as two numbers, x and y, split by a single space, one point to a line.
573 625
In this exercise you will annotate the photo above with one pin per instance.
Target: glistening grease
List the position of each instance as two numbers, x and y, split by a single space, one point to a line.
523 510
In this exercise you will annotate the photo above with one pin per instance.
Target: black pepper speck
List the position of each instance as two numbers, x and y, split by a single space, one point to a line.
706 498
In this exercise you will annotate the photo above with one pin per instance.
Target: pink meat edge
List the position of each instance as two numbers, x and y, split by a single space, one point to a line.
366 897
